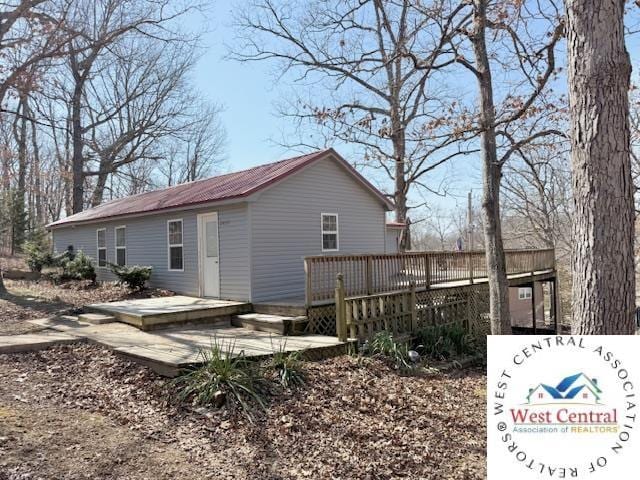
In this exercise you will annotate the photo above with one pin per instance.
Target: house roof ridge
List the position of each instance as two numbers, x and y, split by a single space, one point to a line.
227 186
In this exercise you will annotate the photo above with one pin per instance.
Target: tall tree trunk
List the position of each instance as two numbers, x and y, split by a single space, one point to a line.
101 182
491 175
19 204
35 170
400 190
603 257
77 160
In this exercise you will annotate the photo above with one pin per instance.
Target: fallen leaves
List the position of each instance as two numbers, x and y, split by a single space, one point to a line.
91 414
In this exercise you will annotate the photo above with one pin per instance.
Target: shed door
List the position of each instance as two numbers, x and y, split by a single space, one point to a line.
209 254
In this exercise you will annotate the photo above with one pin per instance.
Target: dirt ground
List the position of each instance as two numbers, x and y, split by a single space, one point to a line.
80 412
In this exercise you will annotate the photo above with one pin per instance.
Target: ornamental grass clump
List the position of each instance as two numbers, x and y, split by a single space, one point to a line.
383 344
224 376
288 367
446 341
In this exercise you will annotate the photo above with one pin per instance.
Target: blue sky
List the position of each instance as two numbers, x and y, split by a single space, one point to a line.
248 93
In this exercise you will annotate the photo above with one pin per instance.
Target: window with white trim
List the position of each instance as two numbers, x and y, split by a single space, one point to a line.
524 293
174 237
330 241
101 245
121 245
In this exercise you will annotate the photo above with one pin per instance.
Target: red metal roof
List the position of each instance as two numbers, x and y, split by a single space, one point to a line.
235 185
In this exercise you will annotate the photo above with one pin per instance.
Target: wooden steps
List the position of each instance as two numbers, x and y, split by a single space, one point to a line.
96 318
277 324
280 308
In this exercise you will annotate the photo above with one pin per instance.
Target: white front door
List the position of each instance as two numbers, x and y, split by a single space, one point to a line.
209 254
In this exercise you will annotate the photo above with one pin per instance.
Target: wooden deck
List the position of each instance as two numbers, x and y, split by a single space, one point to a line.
372 274
152 313
169 351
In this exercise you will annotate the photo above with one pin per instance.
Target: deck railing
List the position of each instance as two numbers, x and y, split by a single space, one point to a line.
372 274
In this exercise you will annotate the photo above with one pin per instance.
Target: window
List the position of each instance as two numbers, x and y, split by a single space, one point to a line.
174 232
330 232
541 395
524 293
121 246
101 235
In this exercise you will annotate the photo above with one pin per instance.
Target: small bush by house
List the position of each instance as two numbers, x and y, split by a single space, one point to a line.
135 277
80 267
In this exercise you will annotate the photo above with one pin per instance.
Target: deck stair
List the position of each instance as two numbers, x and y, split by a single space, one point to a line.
279 324
96 318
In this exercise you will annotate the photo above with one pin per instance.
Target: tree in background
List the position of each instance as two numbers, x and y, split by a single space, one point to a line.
373 74
523 38
112 100
604 287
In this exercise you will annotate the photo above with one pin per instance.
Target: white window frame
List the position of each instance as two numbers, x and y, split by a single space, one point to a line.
323 232
524 293
169 244
98 248
115 243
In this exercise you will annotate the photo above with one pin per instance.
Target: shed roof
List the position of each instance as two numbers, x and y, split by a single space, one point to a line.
231 186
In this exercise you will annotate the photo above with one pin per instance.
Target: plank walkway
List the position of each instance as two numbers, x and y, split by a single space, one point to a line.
166 351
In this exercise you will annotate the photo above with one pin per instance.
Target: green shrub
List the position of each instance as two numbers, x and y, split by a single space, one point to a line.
135 277
223 375
38 251
289 367
446 341
80 268
385 345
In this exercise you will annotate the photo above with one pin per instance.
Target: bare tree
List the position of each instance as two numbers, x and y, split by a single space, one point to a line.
31 32
372 67
599 78
137 100
537 191
102 24
197 150
500 124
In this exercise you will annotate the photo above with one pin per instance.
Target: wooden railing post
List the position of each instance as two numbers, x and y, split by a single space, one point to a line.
369 274
427 270
413 306
307 283
341 309
470 256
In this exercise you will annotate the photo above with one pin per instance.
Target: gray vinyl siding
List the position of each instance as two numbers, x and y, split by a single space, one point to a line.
285 226
391 240
146 241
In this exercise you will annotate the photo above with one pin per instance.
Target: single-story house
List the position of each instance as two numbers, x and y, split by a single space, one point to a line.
239 236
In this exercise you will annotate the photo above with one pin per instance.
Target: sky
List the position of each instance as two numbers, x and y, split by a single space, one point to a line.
248 93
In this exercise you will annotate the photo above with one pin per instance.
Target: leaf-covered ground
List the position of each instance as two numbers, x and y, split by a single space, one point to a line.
81 412
27 300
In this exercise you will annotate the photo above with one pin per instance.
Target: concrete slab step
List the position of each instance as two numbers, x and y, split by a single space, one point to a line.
96 318
277 324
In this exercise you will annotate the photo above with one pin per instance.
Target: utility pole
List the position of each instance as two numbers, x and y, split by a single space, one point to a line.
469 223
